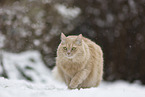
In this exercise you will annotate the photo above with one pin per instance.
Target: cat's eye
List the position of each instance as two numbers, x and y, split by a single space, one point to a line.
73 48
64 48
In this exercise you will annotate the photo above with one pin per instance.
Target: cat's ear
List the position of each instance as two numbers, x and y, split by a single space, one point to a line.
63 38
79 40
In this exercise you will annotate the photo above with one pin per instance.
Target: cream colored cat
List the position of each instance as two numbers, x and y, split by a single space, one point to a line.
79 62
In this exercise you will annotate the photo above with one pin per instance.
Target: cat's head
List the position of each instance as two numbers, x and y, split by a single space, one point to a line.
71 46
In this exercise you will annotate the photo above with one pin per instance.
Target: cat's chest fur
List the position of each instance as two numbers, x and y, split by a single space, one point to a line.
71 68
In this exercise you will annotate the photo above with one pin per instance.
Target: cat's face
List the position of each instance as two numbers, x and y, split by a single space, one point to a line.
71 46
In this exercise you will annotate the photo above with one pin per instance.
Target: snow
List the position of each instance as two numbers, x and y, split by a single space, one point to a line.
28 62
110 18
26 20
2 38
15 88
36 42
69 13
19 87
132 6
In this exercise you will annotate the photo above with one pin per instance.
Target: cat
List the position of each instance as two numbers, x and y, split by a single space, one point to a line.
79 62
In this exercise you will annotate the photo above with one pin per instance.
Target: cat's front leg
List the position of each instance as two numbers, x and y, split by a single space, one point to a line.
78 78
67 79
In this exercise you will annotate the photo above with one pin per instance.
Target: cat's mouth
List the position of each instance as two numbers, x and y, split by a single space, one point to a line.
70 56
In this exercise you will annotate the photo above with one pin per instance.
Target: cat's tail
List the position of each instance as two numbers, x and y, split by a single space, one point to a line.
56 74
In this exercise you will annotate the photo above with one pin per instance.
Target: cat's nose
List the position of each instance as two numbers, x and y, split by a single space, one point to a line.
68 53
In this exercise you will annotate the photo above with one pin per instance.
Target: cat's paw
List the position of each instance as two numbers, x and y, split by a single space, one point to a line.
72 86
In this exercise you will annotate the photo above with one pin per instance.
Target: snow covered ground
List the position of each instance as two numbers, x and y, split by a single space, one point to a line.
44 85
17 88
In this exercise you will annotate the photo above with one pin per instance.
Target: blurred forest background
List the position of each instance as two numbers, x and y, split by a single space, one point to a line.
118 26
